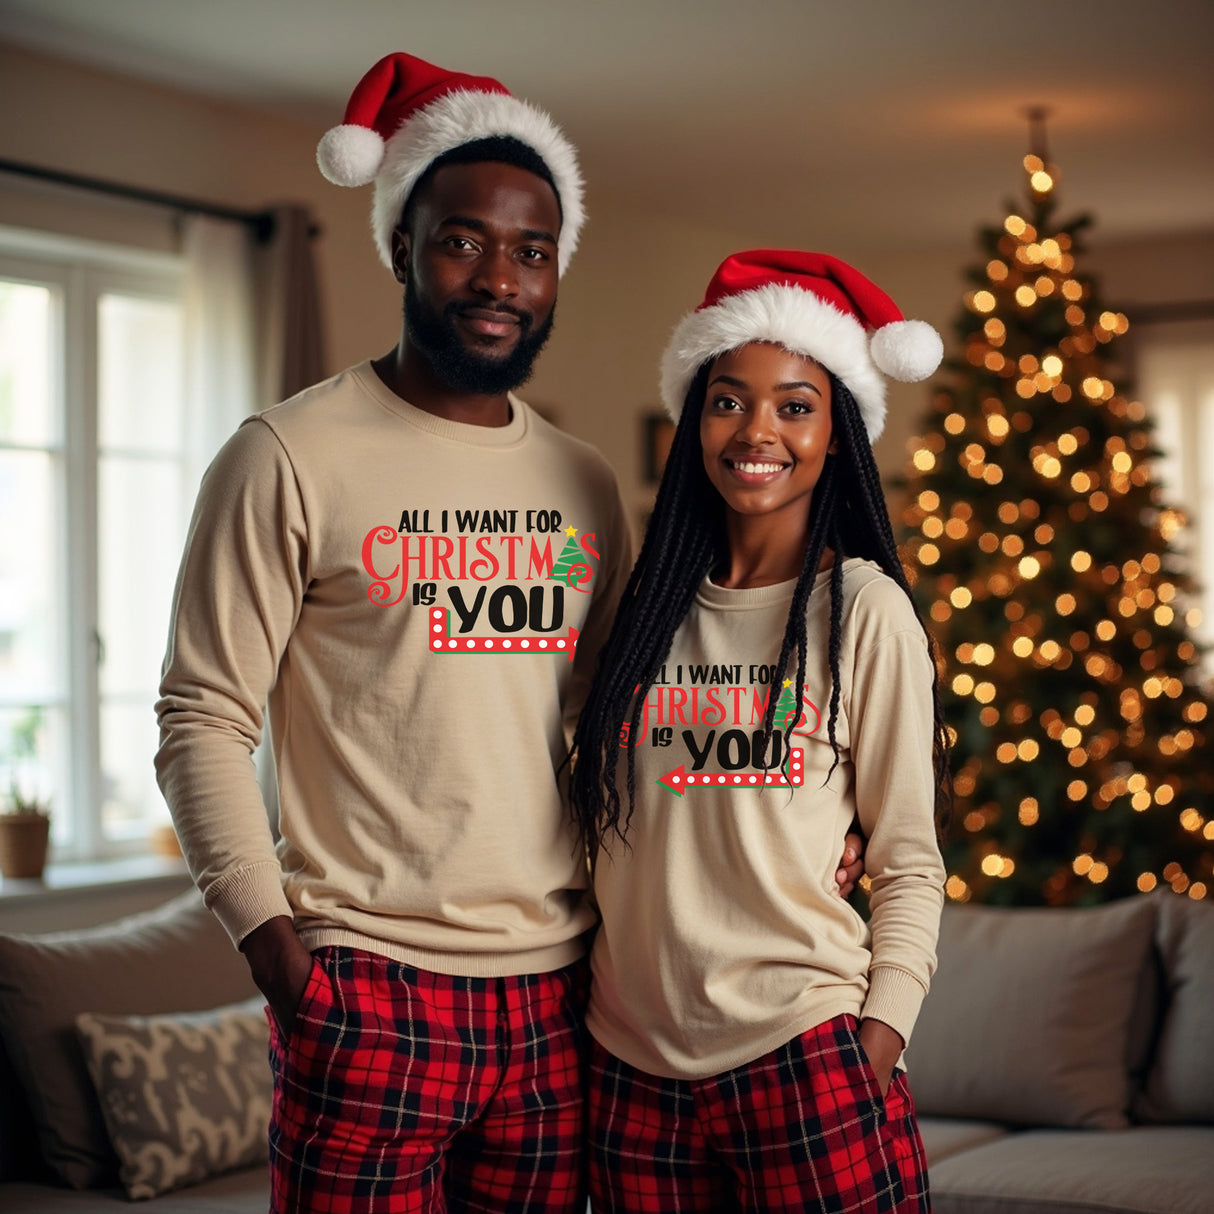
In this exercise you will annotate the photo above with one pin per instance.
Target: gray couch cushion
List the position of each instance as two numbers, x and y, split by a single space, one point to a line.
176 958
1145 1018
943 1136
244 1192
1180 1083
1145 1170
1027 1021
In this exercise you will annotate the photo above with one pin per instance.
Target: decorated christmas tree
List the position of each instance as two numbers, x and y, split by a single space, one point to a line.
1042 551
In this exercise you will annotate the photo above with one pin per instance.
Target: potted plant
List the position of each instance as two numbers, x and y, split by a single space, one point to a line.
25 828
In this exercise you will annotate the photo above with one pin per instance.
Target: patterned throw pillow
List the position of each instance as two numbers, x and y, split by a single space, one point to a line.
184 1096
175 958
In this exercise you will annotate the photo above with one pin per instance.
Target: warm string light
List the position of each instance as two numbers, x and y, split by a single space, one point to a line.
1053 413
957 890
1041 175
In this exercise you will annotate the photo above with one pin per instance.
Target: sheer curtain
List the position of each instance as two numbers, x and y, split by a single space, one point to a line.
220 359
255 332
253 337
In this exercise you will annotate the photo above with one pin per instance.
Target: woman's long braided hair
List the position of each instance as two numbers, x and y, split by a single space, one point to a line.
686 540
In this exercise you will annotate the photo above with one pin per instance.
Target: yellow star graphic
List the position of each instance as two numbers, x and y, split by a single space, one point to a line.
788 682
571 532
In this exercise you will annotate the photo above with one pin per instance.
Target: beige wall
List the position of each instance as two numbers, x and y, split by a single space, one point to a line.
72 118
632 279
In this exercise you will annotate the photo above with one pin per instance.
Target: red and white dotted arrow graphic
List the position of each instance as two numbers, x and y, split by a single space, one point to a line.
441 640
679 780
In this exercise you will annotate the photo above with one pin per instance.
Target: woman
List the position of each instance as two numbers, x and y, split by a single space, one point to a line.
772 679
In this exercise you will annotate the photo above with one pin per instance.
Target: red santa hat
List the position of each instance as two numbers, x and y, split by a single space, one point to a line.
405 113
811 304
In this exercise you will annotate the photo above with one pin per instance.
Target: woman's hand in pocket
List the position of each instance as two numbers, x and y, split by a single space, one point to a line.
280 966
883 1046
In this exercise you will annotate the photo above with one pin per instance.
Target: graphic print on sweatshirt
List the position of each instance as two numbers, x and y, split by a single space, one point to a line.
707 722
443 561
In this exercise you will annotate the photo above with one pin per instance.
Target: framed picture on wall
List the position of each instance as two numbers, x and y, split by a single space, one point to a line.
657 433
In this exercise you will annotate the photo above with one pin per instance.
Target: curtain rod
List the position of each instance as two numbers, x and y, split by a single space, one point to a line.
261 222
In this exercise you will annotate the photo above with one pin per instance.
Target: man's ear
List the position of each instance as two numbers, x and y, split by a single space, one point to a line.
400 255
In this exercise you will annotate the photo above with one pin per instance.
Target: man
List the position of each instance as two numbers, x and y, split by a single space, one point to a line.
416 571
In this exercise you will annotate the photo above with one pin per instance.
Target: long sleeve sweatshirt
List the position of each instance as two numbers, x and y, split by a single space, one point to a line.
419 602
723 935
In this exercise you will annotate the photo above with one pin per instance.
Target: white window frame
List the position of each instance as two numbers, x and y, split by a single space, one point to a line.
1174 366
83 271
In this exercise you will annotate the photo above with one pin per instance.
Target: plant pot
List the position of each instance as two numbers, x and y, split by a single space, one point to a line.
163 841
23 843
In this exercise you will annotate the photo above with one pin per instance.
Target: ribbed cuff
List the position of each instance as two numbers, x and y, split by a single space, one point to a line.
247 898
894 998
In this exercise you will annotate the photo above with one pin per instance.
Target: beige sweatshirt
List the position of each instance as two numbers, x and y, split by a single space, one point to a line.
722 934
420 601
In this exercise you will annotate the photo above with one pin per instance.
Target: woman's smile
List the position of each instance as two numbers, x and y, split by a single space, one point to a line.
754 472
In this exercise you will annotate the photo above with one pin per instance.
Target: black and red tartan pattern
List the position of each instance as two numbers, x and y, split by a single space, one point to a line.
802 1128
400 1090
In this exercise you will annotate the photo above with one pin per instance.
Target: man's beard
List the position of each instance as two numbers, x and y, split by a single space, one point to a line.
433 334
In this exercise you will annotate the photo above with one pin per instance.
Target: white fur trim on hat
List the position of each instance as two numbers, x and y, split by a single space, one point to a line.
461 117
787 316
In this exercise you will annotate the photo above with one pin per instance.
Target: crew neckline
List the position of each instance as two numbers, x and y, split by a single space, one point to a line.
712 595
514 431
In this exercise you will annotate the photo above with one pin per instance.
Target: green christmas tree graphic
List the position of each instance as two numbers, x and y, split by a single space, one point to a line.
787 708
567 563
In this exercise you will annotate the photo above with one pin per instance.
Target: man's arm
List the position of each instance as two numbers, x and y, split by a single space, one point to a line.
238 597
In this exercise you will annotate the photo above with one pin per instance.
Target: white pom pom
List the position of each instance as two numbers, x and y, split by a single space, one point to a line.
907 350
350 154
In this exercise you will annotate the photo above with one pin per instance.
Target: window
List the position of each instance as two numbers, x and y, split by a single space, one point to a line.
1175 365
96 480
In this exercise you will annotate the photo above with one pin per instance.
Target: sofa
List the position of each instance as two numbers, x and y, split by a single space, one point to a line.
1063 1062
133 1064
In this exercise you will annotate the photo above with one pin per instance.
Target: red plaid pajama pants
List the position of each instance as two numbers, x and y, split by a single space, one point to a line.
402 1091
802 1128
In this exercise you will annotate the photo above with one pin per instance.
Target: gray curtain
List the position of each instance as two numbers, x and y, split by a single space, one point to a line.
290 332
